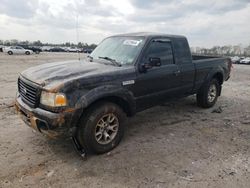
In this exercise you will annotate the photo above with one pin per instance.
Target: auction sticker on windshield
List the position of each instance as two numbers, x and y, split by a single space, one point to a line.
132 42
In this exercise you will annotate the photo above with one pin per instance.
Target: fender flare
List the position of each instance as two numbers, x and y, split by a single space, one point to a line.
216 71
107 91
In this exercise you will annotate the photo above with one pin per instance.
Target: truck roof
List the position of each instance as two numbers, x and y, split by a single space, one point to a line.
150 35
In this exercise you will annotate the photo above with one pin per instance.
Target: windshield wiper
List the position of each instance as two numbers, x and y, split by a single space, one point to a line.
113 61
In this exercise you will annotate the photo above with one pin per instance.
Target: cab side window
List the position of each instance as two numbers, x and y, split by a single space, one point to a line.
162 50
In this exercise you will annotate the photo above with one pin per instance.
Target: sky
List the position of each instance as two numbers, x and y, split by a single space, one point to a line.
204 22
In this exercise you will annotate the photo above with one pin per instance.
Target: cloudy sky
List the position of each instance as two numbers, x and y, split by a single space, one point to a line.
205 23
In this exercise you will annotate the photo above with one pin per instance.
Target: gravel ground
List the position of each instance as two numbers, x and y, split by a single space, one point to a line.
173 145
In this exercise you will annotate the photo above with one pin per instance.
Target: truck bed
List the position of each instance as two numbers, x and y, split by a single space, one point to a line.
204 65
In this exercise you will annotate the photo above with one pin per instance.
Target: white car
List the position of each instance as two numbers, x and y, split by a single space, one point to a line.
46 48
17 50
73 49
245 61
235 59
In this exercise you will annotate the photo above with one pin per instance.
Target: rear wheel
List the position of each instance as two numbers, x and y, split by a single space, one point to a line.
10 52
208 94
101 127
27 53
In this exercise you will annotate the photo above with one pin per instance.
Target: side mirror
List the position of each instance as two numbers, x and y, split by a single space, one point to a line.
155 61
152 62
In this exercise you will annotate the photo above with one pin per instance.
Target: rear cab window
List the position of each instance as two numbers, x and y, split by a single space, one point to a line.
182 51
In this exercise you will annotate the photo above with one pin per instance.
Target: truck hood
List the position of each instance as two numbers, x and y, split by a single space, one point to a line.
52 74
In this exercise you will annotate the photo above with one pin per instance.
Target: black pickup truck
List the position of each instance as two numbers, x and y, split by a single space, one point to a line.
89 99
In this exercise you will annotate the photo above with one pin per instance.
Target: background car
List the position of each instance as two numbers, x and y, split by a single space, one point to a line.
235 60
57 49
1 48
88 50
33 48
74 49
245 61
17 50
46 48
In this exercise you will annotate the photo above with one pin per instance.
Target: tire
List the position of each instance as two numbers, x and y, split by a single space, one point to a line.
10 52
208 94
27 53
95 125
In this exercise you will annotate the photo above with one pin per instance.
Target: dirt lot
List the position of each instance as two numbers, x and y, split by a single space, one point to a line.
173 145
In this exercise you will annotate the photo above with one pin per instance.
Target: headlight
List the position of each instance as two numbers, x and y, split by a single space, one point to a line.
53 99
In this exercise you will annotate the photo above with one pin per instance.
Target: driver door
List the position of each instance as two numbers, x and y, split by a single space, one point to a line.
158 83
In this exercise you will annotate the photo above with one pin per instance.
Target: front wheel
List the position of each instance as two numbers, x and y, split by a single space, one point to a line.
27 53
208 94
10 52
101 127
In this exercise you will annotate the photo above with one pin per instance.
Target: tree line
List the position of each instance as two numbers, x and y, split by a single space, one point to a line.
228 50
38 43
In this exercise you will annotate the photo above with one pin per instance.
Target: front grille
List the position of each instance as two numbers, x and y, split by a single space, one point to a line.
28 92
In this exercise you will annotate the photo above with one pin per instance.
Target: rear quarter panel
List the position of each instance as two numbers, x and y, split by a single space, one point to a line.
207 68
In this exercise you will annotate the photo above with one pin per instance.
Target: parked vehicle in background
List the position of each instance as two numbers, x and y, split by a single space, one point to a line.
65 48
89 99
17 50
235 59
88 50
1 48
245 61
46 48
57 49
74 49
33 48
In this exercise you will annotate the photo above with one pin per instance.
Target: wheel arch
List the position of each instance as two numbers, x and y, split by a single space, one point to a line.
219 77
119 101
117 95
128 109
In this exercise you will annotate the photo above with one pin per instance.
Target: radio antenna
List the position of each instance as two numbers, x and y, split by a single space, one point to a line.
77 36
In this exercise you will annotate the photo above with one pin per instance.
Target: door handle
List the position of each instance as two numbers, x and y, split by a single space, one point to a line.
176 73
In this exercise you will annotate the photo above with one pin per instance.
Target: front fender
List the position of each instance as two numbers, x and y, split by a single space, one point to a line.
102 92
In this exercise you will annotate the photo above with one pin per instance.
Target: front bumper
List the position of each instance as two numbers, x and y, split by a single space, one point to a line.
51 124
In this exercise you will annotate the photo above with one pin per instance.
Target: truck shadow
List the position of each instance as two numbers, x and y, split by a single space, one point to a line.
142 123
150 123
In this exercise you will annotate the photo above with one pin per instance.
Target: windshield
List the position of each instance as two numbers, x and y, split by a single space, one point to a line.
123 50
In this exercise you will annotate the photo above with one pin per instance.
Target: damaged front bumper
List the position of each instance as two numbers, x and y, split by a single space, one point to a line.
49 123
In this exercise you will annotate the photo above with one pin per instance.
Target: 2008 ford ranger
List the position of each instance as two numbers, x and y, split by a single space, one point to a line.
125 74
